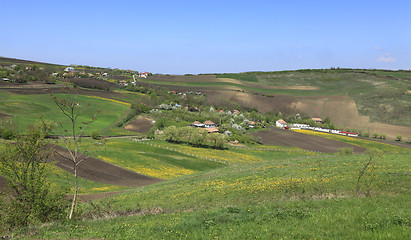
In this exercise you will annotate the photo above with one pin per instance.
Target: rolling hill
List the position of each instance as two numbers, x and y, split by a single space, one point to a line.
269 183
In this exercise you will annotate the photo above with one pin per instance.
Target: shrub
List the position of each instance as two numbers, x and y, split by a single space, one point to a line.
399 137
367 134
95 135
375 135
32 198
345 150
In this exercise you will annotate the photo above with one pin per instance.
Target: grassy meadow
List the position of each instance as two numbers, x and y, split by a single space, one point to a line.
275 198
27 109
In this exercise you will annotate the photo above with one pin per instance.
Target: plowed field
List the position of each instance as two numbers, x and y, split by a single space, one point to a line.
100 171
276 136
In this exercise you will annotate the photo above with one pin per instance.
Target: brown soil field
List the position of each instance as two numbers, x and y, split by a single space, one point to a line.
278 103
276 136
392 131
342 111
139 125
100 171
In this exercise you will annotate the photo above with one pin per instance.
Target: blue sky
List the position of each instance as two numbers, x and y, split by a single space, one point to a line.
179 37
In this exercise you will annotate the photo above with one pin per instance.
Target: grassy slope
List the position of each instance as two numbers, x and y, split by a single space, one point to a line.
26 109
279 198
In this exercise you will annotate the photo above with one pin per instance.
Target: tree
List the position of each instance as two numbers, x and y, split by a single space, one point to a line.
172 134
24 164
72 137
217 140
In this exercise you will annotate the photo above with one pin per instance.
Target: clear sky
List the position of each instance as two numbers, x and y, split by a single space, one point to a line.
198 36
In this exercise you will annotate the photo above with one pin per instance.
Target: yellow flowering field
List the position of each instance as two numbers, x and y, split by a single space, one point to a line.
152 168
223 156
112 100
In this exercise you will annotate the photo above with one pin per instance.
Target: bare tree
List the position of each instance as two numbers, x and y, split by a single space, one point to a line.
72 135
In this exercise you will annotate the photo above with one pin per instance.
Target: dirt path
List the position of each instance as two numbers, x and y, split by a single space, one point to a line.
276 136
100 171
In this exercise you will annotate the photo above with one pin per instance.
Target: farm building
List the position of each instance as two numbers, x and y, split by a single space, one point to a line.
69 69
317 120
209 124
123 82
212 130
143 74
197 124
280 123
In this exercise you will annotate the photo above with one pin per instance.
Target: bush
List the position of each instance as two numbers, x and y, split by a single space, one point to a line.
399 137
95 135
367 134
31 198
346 151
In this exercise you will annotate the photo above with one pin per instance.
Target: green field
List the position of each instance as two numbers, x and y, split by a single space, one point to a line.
281 198
27 109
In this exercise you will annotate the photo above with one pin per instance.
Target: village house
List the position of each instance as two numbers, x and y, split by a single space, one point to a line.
317 120
209 124
123 82
143 74
280 123
212 130
197 124
69 69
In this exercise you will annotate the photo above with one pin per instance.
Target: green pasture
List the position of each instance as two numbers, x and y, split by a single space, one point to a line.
277 199
27 109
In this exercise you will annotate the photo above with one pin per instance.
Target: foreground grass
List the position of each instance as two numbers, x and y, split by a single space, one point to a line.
352 218
280 198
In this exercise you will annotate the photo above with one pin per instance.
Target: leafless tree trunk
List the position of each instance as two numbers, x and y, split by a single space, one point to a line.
70 108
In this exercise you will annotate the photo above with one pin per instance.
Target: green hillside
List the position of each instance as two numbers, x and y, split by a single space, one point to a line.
226 184
280 198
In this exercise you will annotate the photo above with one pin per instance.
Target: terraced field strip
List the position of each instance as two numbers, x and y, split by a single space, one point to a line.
385 147
216 155
271 149
183 152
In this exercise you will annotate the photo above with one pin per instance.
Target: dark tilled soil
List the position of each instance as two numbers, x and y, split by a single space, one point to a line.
100 171
139 125
276 136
